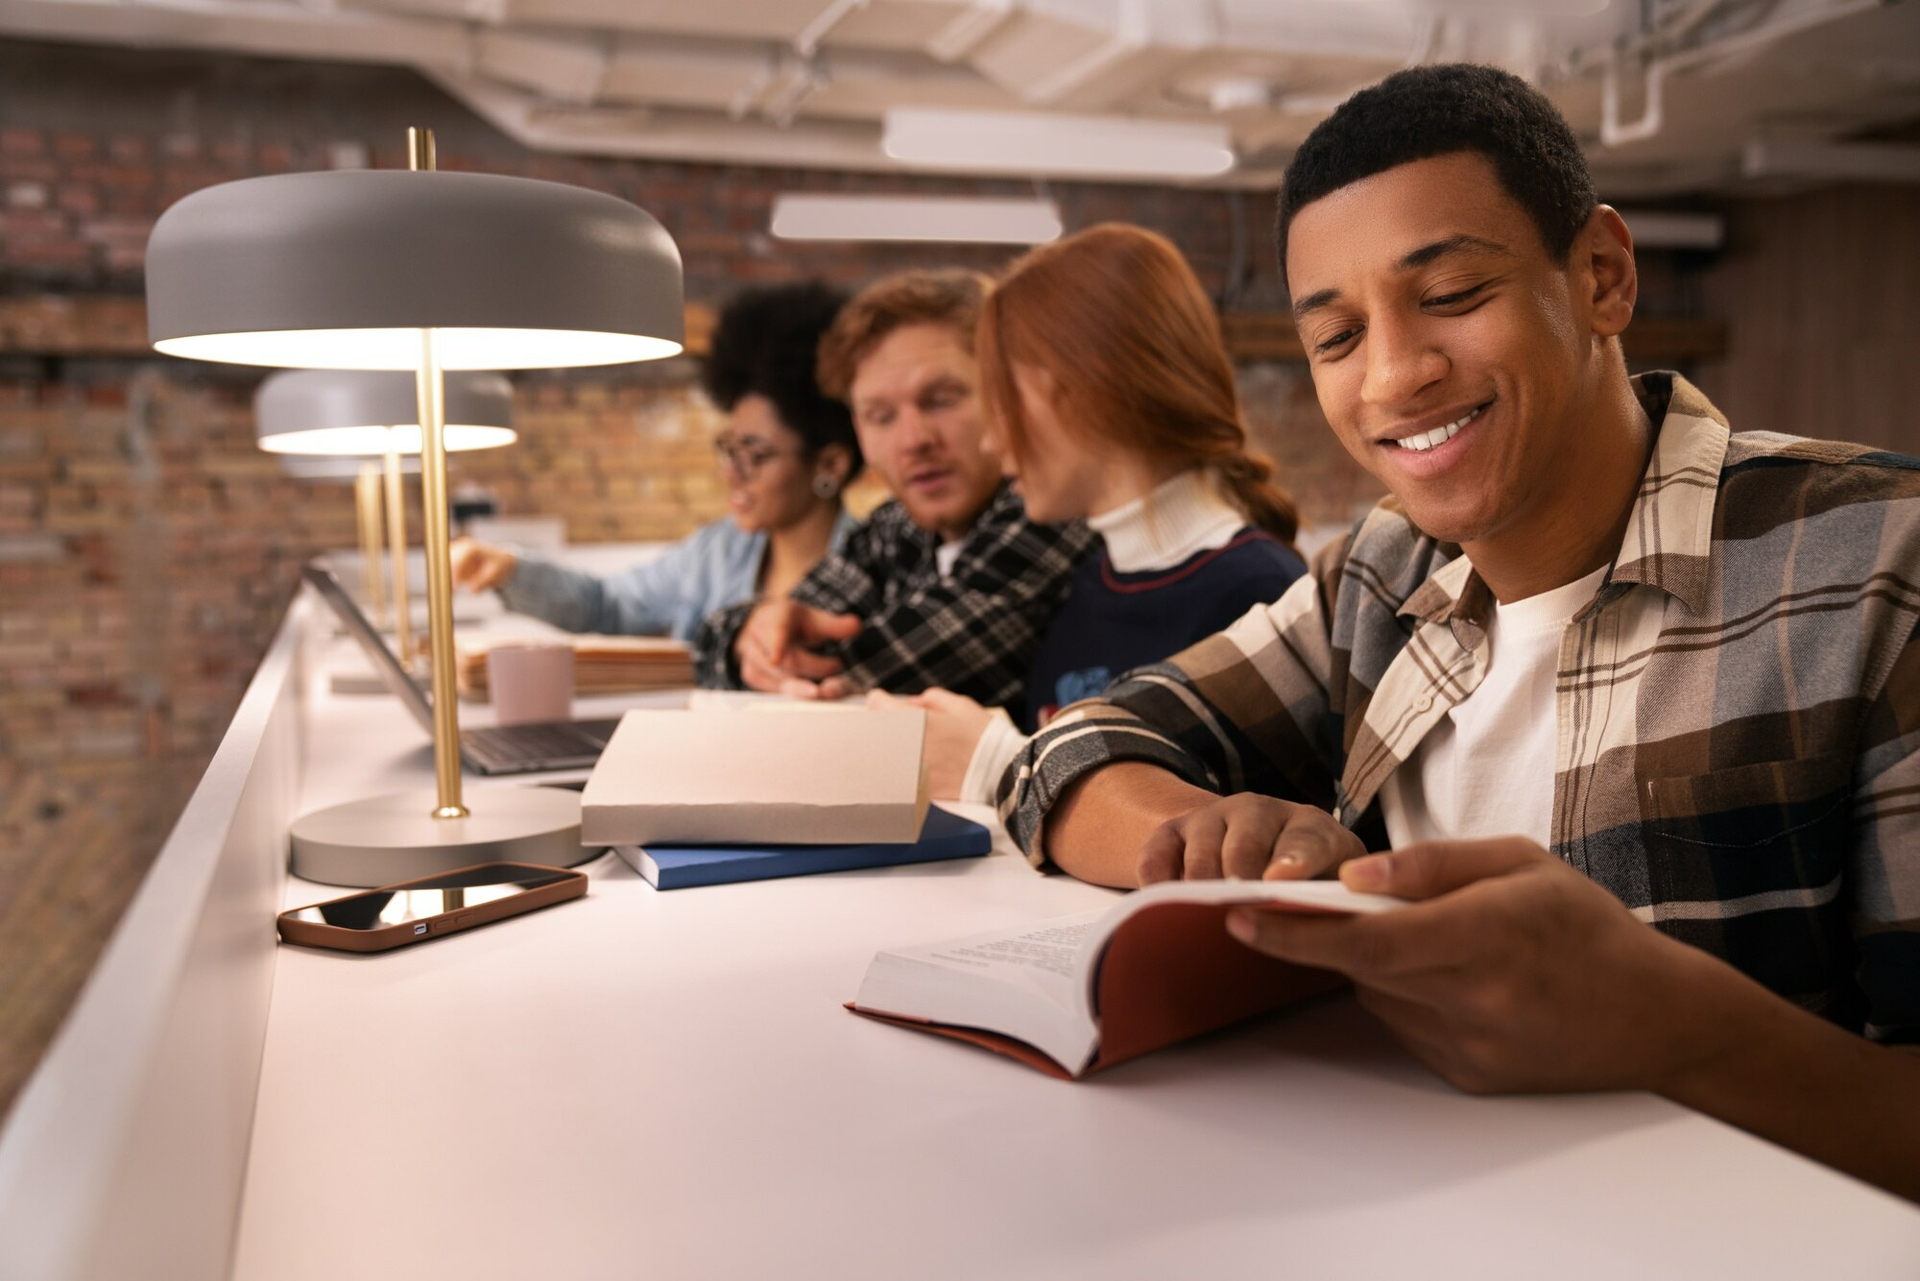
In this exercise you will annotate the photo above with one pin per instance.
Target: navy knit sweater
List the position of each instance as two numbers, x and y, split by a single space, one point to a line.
1113 621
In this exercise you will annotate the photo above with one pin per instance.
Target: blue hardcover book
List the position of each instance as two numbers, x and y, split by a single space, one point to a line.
676 867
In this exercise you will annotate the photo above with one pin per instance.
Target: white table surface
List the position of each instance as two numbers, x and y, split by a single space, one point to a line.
665 1085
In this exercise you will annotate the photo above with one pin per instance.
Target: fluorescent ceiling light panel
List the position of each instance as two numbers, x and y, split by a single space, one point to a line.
1664 229
1043 142
951 219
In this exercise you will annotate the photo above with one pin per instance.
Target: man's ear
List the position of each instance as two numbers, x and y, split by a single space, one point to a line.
1608 248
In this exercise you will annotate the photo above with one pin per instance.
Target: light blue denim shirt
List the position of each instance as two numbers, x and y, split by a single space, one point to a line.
715 566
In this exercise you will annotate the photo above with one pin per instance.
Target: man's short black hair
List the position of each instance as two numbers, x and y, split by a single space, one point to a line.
765 343
1434 111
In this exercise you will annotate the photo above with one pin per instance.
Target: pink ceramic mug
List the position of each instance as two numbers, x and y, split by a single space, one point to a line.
531 681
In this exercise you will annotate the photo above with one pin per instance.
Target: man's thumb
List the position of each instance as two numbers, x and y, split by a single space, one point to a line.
1433 868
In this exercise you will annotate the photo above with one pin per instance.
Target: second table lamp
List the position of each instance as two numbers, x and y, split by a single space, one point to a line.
373 413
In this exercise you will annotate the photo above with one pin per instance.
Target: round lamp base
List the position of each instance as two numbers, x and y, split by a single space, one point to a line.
384 840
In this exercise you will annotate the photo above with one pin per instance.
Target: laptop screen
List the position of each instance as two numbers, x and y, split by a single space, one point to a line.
382 658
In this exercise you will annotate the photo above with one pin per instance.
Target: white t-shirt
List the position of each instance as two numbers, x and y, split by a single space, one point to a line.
1487 768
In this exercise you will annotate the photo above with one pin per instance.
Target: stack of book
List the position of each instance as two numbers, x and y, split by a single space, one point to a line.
710 797
601 665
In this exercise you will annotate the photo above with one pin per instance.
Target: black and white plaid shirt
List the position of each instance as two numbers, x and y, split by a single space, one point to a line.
973 631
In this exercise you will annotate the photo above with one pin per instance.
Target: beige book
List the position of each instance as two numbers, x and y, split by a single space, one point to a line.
714 777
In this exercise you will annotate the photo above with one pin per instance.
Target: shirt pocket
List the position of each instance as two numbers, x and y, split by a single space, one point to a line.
1769 828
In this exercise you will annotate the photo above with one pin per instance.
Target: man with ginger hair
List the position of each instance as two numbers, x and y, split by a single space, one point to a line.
947 584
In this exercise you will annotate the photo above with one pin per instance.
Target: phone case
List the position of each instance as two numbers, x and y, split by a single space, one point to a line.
315 934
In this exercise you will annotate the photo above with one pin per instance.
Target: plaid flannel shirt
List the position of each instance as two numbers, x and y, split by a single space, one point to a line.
1738 708
973 631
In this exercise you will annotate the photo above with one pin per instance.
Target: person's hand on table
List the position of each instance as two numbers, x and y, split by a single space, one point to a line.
478 567
1513 973
773 647
954 726
1248 835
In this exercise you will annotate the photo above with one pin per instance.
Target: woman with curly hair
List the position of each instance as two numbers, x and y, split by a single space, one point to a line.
785 455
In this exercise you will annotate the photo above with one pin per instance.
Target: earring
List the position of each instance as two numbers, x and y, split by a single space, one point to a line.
826 486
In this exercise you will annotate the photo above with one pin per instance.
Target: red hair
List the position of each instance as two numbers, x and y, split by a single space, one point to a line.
1118 320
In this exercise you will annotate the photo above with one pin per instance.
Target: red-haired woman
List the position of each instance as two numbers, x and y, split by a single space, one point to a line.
1109 396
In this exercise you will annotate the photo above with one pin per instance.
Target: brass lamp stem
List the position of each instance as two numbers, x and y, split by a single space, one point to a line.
366 504
397 551
420 149
430 390
433 498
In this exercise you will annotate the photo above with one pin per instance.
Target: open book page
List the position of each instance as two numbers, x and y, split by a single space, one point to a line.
1021 982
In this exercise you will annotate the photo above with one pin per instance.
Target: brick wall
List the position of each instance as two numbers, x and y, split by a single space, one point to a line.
134 502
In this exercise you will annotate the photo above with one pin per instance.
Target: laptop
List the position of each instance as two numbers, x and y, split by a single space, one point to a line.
504 749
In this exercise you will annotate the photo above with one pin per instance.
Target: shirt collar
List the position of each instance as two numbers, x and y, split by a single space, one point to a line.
1669 539
1177 519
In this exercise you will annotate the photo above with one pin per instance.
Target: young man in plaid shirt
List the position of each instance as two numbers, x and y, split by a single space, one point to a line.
1597 664
949 584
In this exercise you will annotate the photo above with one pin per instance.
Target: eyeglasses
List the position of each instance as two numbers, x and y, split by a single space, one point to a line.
745 460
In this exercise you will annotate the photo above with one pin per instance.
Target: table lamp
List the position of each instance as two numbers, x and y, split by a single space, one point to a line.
424 271
374 413
368 521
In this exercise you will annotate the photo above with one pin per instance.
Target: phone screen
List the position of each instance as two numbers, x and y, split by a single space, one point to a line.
469 887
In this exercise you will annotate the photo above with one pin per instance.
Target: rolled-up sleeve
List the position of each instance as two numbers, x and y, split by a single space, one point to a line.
1243 710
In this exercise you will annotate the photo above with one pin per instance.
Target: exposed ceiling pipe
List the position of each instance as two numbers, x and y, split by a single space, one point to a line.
1614 132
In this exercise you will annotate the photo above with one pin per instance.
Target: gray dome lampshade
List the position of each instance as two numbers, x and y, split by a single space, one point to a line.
346 412
340 270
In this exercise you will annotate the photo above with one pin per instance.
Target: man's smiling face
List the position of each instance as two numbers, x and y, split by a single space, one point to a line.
1450 353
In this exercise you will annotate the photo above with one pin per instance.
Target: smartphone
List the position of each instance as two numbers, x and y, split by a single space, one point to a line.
431 907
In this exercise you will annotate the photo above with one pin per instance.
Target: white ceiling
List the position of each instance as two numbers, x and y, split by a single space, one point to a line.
806 82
